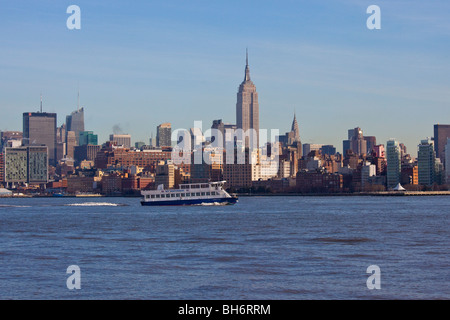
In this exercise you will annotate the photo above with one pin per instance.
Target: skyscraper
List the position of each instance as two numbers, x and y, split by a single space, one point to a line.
441 133
222 127
355 142
75 122
121 140
39 128
394 163
247 109
164 135
426 159
88 137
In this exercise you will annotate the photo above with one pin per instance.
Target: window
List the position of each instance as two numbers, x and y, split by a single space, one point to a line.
153 196
208 193
198 194
183 195
178 195
172 195
203 193
157 196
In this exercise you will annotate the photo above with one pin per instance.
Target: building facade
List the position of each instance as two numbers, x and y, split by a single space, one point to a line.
247 110
164 135
121 140
26 165
39 128
441 133
394 164
75 123
426 159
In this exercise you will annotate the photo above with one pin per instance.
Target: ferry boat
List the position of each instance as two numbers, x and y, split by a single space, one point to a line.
189 194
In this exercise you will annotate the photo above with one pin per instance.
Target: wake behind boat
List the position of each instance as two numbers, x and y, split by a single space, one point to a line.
188 194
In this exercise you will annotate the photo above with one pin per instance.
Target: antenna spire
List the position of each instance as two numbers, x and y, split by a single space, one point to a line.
78 100
41 102
246 56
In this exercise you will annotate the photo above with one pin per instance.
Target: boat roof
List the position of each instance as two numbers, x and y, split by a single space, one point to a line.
198 184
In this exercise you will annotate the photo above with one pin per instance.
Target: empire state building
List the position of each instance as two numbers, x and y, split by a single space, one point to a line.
247 109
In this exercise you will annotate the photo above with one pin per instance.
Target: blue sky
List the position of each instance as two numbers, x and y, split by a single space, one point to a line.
142 63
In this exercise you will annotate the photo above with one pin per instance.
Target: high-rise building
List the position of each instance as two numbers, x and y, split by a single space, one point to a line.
26 165
37 165
75 122
371 142
164 135
356 142
121 140
328 150
447 161
39 128
222 127
394 163
10 139
308 147
71 143
88 137
426 160
379 151
441 133
247 110
295 131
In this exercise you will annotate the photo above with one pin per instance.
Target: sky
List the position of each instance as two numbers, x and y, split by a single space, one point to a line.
138 64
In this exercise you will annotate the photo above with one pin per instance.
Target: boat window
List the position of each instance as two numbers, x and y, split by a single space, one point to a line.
208 193
153 196
198 194
172 195
183 195
178 195
157 196
203 193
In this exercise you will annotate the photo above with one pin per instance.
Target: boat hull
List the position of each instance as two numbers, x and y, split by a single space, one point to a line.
190 202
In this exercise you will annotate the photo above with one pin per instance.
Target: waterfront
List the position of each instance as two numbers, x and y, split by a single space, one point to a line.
261 248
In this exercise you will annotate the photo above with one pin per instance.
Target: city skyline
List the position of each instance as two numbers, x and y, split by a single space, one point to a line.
183 62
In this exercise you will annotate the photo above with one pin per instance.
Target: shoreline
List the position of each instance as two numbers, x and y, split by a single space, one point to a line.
353 194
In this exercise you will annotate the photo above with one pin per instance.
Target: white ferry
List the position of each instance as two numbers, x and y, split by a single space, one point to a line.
189 194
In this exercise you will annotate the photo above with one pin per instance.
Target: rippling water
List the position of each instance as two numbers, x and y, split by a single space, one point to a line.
261 248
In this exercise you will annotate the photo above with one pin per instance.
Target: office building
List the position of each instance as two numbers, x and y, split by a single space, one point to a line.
164 135
71 143
10 139
39 129
26 165
328 150
88 137
371 142
355 142
394 164
121 140
224 128
426 160
309 147
441 133
247 111
75 123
